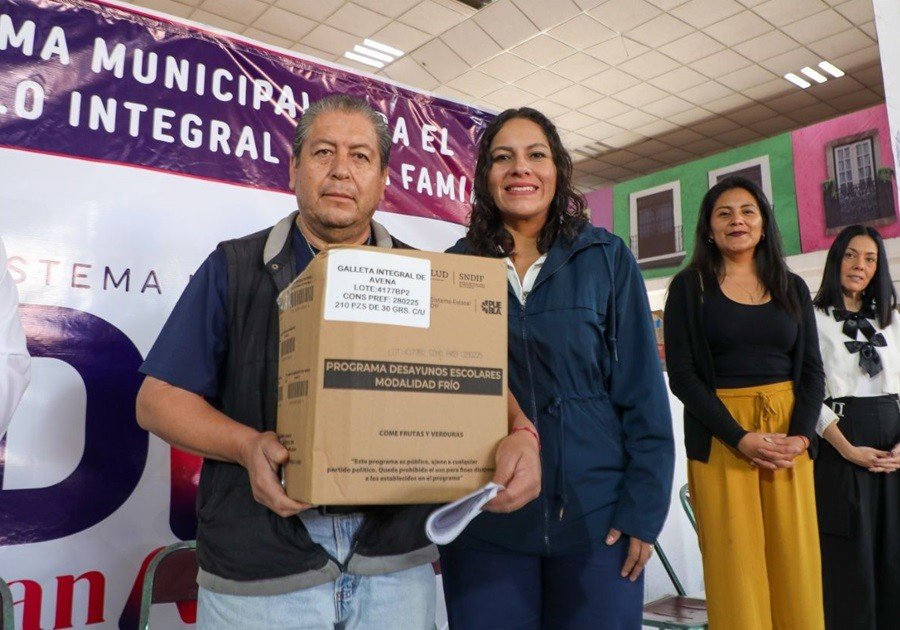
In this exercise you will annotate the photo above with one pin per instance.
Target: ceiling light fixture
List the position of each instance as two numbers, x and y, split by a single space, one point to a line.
818 77
373 53
798 81
363 59
393 52
814 74
831 69
475 4
369 52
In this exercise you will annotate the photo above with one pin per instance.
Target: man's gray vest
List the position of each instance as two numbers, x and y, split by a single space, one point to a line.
243 547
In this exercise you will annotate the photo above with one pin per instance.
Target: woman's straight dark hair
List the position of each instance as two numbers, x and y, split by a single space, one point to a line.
768 256
487 235
879 293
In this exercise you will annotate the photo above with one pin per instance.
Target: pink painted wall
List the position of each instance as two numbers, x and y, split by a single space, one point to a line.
811 169
600 202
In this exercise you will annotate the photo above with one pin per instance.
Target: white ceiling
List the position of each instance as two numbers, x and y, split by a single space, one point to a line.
634 85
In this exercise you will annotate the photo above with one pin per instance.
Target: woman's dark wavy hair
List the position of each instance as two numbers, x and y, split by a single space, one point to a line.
879 293
487 236
768 256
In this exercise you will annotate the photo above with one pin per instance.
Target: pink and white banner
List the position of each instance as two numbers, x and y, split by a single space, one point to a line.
129 146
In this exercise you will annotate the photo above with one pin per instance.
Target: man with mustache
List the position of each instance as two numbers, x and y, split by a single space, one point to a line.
265 559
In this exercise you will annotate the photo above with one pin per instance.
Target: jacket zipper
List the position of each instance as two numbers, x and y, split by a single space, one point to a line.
545 508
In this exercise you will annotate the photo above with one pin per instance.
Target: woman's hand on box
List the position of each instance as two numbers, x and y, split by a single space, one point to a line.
261 456
518 470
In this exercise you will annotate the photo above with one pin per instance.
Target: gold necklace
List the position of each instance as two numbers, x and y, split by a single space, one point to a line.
754 296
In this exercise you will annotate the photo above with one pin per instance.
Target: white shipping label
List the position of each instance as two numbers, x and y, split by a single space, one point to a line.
378 288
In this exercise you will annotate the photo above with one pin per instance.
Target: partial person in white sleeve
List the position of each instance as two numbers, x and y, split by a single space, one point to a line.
15 364
857 486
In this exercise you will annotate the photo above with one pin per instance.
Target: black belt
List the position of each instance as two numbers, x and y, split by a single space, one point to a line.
839 404
341 510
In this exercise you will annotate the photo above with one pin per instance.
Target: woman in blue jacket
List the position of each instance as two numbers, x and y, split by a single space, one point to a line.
583 365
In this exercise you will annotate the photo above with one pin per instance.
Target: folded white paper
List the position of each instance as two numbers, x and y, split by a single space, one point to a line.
447 522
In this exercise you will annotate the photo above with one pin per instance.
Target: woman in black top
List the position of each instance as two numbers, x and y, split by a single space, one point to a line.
743 357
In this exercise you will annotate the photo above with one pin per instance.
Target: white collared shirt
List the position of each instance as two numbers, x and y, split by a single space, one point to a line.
15 363
524 286
843 376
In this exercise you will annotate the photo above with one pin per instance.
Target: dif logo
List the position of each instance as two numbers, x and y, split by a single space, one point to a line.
81 454
59 489
78 456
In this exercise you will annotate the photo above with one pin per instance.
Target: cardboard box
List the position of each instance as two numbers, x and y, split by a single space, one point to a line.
392 376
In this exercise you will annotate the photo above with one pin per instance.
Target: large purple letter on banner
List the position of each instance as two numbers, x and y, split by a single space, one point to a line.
115 447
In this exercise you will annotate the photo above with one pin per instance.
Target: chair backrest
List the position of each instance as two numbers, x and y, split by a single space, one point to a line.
7 615
685 495
171 577
675 611
664 559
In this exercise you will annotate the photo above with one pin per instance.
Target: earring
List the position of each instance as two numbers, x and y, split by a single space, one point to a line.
763 237
709 239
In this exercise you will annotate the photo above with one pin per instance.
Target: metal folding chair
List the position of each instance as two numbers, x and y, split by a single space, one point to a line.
685 495
677 611
7 615
171 578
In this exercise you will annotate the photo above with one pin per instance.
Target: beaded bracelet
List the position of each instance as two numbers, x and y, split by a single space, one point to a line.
531 431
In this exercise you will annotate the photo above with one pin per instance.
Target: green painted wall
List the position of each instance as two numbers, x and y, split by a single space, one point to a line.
694 178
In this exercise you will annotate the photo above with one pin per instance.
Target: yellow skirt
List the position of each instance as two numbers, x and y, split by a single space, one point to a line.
757 528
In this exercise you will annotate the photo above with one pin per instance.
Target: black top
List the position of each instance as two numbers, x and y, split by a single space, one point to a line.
750 343
692 377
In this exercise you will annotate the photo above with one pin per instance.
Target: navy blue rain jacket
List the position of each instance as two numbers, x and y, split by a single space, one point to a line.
584 367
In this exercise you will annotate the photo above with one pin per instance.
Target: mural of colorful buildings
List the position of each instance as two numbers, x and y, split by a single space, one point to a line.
820 178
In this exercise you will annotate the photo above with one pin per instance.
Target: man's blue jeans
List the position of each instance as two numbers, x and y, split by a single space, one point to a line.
404 599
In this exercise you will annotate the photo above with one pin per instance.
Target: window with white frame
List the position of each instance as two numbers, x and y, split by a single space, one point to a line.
854 163
853 192
655 225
